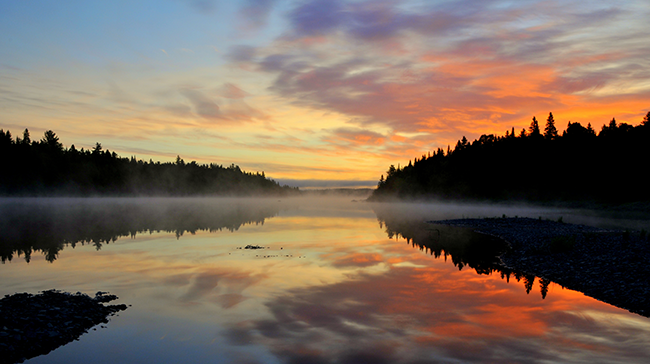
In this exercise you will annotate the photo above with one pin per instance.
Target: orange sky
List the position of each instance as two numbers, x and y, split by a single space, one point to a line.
315 91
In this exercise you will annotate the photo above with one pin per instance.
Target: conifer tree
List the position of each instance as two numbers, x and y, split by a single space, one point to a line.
26 139
612 126
97 149
533 130
550 131
52 141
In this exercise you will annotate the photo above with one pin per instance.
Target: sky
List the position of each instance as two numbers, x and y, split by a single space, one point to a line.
316 93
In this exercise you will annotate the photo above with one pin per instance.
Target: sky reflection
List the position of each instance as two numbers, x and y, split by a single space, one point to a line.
331 287
437 312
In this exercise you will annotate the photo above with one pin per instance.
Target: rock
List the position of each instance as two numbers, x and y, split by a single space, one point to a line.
45 321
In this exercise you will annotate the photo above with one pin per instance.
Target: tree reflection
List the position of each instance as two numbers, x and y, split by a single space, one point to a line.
464 247
47 226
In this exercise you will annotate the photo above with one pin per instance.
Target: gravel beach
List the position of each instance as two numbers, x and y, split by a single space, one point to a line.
608 265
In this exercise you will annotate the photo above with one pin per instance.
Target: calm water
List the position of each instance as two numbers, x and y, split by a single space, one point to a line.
337 282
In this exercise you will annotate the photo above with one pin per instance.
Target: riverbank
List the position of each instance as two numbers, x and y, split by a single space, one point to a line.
608 265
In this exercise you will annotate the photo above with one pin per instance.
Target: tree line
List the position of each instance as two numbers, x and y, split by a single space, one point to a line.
46 168
48 226
579 165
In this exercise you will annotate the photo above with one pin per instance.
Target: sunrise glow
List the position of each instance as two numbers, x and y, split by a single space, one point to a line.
320 92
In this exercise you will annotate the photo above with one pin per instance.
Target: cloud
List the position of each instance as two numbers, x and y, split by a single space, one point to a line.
202 105
255 13
381 70
448 69
281 63
239 111
231 91
233 108
376 20
317 17
241 53
356 136
381 20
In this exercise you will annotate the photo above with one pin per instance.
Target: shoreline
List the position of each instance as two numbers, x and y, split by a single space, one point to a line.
33 325
608 265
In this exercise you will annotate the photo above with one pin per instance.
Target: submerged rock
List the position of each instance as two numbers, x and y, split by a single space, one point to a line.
33 325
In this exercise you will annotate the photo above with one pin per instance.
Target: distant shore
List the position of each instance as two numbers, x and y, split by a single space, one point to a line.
608 265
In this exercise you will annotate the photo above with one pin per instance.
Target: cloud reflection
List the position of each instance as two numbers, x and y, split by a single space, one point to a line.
401 316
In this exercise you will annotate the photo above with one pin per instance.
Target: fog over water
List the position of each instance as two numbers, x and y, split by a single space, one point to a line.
334 282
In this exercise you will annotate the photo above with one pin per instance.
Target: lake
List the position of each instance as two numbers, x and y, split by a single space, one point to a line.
333 281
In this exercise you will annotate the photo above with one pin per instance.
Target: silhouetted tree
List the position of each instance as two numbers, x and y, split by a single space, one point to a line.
608 130
5 137
461 144
576 131
550 131
533 129
46 168
26 138
591 167
51 141
98 149
179 161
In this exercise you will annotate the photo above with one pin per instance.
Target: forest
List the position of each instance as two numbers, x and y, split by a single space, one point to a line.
72 222
45 168
578 165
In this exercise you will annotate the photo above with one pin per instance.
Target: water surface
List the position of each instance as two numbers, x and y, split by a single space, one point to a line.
336 282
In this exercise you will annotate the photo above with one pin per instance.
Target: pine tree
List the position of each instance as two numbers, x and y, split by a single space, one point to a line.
522 134
612 124
97 149
533 130
52 141
550 131
26 139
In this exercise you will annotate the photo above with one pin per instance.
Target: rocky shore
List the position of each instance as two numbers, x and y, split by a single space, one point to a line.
33 325
609 265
